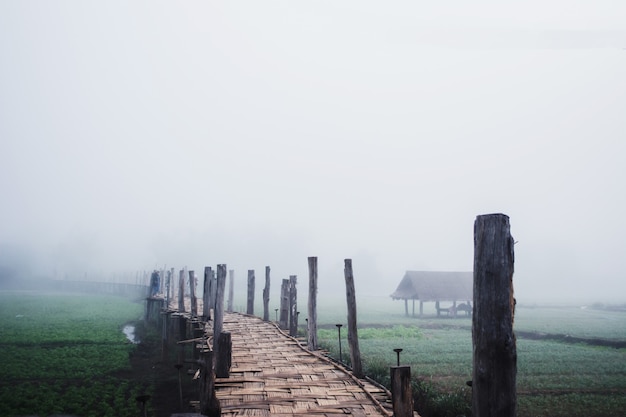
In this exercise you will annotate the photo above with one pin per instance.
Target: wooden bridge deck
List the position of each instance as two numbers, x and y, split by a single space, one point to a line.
272 374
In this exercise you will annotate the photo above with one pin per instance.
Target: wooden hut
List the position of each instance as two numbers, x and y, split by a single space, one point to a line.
436 286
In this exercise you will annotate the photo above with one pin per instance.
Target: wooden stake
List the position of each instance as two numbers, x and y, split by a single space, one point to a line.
250 307
223 354
219 302
192 294
266 295
231 289
293 306
209 404
353 338
401 392
284 304
212 290
206 296
495 352
181 291
312 306
170 287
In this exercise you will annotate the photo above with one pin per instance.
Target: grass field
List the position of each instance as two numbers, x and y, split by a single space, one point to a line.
66 354
555 377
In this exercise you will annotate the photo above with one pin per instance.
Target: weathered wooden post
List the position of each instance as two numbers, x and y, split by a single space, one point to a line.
154 306
197 332
293 306
401 392
213 289
250 306
266 295
312 306
222 342
224 354
209 404
284 304
170 287
154 284
165 335
353 337
231 289
219 303
182 335
192 294
181 291
206 296
168 279
495 352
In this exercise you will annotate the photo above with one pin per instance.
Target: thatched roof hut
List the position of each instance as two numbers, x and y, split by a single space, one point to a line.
434 286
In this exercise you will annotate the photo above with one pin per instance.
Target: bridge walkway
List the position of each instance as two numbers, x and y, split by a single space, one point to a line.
273 375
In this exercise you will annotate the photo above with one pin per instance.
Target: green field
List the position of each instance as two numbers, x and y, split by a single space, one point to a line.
66 354
555 377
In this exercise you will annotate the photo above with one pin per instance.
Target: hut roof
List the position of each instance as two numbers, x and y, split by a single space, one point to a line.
435 286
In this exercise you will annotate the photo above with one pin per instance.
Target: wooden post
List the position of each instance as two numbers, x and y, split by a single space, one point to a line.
197 331
494 346
406 307
219 303
353 337
154 283
293 306
181 291
153 310
421 308
206 296
168 280
223 358
401 392
170 287
182 335
231 289
284 304
192 294
250 306
209 404
266 295
213 290
312 306
165 335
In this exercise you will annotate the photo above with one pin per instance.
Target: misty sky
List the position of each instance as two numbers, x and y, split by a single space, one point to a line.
135 135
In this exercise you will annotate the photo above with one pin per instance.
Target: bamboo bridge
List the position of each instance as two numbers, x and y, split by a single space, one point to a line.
273 374
251 366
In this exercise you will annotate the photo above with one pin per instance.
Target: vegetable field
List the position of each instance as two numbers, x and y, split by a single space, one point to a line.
556 377
66 354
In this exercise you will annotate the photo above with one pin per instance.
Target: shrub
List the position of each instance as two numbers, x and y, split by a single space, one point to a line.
431 401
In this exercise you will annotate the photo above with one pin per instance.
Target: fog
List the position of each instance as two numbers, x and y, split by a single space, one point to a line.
146 135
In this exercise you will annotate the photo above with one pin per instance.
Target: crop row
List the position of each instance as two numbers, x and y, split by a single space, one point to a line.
61 353
553 379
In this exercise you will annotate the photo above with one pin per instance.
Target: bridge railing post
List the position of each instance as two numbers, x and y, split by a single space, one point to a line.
401 391
224 354
209 404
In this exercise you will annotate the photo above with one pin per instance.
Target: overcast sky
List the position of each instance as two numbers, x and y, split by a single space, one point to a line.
135 135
